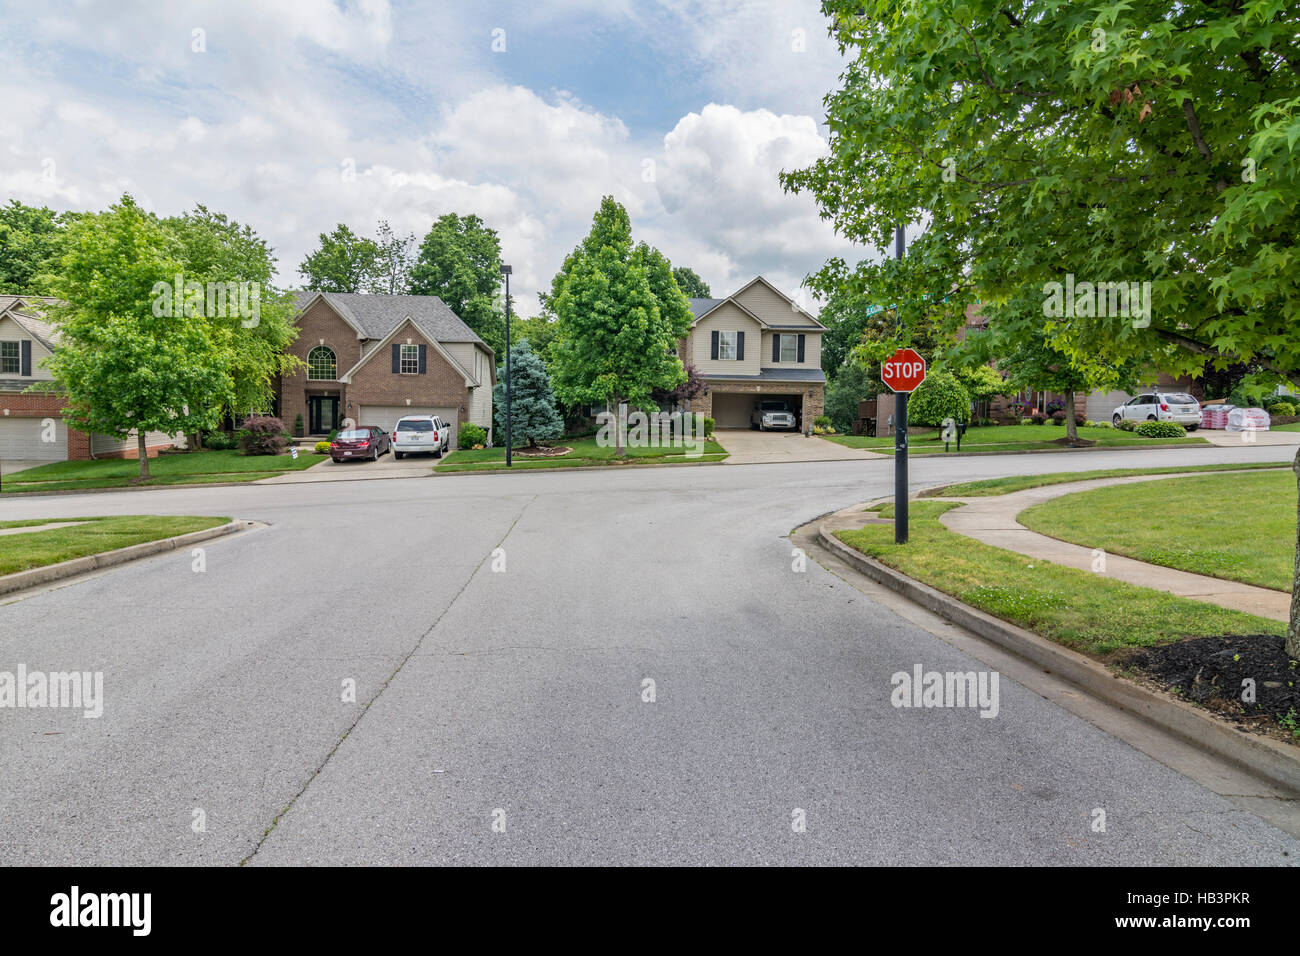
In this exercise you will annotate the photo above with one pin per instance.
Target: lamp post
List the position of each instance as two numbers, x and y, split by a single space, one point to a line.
505 271
900 435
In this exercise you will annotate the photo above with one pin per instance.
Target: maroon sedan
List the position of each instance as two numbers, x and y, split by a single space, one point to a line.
367 442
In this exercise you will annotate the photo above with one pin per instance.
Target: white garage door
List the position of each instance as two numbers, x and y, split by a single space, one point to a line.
386 416
25 439
732 410
1101 405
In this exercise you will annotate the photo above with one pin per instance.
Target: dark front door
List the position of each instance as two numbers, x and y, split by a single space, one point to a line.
323 412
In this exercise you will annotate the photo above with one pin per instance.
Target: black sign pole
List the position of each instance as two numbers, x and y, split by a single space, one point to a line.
900 468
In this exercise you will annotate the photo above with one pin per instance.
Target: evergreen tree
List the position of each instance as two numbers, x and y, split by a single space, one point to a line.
533 416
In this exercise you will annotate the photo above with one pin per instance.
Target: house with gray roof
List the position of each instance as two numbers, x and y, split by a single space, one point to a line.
755 345
373 358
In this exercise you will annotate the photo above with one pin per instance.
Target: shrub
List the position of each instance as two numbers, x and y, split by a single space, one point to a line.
708 427
1058 417
1268 403
822 421
219 441
471 435
1126 424
297 425
262 435
322 448
1282 408
1100 425
1160 430
1026 421
940 396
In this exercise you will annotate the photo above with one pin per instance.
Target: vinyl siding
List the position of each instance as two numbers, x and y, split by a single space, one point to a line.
106 444
771 307
727 318
812 350
11 331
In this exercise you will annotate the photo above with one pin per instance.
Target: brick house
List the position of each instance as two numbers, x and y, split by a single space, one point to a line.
755 343
374 358
31 422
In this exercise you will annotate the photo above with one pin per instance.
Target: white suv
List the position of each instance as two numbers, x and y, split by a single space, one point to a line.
1177 407
418 434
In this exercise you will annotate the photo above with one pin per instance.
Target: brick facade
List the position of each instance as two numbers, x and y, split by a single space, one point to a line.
374 382
45 405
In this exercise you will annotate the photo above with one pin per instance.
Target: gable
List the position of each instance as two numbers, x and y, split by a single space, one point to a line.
407 332
12 331
727 316
773 306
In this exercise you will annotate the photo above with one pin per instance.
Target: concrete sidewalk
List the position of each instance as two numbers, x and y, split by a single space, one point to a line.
992 520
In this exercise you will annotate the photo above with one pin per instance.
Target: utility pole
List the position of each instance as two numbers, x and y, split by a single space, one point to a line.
505 271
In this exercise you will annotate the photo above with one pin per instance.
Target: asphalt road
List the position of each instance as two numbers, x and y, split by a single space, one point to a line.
515 696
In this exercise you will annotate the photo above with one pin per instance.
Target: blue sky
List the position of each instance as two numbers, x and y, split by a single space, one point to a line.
296 115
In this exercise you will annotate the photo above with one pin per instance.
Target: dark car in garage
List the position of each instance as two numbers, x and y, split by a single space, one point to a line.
365 443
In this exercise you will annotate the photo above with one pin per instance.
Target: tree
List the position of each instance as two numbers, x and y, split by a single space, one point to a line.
533 416
214 249
539 331
343 262
983 383
1121 143
123 367
30 240
940 396
394 260
688 389
460 262
692 286
620 317
851 385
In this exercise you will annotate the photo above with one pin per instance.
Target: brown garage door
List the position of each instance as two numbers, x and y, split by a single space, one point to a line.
731 411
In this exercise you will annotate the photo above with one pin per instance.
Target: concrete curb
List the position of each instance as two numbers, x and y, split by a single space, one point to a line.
1041 451
36 577
552 471
1259 755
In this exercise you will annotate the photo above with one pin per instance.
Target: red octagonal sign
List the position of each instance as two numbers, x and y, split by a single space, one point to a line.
903 371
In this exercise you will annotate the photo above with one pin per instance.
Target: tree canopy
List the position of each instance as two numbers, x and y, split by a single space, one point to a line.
692 286
460 262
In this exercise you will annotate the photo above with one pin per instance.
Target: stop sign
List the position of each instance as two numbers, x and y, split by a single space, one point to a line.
903 371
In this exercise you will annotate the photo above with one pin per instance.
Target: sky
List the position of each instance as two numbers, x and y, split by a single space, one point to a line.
295 115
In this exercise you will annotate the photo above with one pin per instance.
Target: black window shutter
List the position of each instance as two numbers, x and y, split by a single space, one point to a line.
801 338
713 337
740 346
26 367
776 348
397 359
424 359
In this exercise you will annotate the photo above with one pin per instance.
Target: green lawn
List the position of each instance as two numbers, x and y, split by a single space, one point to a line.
1241 527
584 452
987 487
1001 438
1293 427
1077 609
201 467
21 552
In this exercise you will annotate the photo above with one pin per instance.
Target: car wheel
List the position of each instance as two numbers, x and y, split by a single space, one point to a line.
1151 418
374 454
1191 428
398 455
438 452
1115 419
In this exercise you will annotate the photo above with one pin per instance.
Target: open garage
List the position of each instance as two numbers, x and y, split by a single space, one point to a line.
732 409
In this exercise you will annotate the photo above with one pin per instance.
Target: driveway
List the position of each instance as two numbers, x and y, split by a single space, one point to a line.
500 634
8 466
388 466
1227 439
752 448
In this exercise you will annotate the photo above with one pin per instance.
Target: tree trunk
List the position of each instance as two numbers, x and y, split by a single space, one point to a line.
1071 428
144 453
1293 629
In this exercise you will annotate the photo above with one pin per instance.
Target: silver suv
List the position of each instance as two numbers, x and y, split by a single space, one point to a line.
420 434
772 414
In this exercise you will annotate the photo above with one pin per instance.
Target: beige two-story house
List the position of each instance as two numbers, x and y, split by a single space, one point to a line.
755 343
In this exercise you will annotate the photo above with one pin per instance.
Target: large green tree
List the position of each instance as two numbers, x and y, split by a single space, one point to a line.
620 316
1127 141
342 262
460 262
689 281
124 367
31 239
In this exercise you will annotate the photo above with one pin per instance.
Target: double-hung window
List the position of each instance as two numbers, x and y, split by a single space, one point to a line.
10 360
789 348
410 360
727 345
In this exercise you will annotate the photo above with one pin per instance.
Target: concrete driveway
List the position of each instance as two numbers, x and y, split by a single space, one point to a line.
387 466
753 448
1227 439
9 466
499 633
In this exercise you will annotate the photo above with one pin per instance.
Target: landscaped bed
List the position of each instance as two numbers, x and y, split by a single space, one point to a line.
1103 618
1004 438
87 536
582 452
1240 527
182 468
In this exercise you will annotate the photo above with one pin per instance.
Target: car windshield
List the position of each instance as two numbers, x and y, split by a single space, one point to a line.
354 434
1179 398
415 425
775 407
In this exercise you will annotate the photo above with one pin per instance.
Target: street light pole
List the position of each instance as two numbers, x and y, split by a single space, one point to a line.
900 438
505 271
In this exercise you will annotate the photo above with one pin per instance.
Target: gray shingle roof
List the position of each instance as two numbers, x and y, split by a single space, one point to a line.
377 315
776 375
700 306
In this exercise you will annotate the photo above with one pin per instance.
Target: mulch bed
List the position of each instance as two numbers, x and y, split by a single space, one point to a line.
1076 443
543 451
1209 671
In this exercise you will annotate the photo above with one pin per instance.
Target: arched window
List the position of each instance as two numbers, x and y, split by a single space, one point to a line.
321 365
